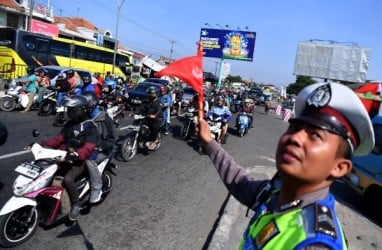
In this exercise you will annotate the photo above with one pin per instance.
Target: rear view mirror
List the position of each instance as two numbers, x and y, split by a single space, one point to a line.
35 133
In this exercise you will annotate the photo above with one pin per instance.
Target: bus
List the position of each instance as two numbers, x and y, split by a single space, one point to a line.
19 48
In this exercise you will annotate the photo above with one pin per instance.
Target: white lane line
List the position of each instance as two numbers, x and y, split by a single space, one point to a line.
13 154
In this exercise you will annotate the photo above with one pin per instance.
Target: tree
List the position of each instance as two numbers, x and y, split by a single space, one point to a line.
301 82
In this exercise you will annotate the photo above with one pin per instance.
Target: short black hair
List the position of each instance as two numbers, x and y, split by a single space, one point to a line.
344 149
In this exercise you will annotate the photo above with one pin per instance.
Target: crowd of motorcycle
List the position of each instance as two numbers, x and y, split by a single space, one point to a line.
39 197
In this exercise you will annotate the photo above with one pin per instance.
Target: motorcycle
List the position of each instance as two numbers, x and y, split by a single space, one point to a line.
138 137
39 198
242 124
48 104
188 125
215 123
60 117
16 97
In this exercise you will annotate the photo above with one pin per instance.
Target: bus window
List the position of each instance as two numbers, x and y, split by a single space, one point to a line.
29 42
42 45
60 48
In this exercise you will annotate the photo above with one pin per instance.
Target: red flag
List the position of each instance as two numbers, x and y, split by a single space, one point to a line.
189 70
372 88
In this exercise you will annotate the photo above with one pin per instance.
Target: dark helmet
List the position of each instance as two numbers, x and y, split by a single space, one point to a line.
69 73
220 99
41 71
30 70
151 90
86 80
78 108
92 98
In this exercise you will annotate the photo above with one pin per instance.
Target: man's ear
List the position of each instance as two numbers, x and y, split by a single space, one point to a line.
342 167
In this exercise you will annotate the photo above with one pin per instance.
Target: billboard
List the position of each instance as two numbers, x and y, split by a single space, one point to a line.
228 44
333 61
44 28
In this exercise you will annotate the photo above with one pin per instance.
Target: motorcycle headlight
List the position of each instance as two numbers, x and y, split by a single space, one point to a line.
19 190
144 130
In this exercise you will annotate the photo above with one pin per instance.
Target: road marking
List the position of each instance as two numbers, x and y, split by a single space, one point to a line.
14 154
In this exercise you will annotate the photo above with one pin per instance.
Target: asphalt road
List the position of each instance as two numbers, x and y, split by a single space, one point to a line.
169 199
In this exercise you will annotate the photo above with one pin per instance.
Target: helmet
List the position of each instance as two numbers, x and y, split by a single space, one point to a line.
41 71
92 98
151 90
30 70
78 108
69 73
163 89
86 80
220 99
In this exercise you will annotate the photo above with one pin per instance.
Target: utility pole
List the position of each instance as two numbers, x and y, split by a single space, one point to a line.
172 48
216 68
119 6
31 6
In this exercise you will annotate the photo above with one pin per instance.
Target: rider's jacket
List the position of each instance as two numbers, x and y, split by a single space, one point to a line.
151 107
296 228
86 132
222 111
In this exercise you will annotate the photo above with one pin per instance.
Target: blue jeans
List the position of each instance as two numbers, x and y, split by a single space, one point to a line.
61 97
165 114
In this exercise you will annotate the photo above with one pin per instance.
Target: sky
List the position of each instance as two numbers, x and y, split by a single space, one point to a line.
157 27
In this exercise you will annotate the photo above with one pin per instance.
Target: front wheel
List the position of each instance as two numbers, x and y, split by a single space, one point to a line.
59 119
129 148
185 130
18 226
7 104
107 183
46 108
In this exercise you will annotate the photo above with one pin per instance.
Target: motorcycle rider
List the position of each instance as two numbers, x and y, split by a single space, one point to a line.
166 102
31 88
151 107
248 108
223 111
104 147
63 88
83 130
43 82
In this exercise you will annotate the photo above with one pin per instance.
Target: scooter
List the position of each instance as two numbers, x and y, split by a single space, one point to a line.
188 125
15 97
242 124
48 104
138 137
39 198
215 123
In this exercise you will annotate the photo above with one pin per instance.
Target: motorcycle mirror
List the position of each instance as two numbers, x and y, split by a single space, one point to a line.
35 133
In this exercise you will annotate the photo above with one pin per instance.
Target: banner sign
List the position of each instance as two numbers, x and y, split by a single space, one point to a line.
228 44
44 28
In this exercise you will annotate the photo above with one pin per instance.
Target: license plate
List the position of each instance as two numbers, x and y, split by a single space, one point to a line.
354 179
29 170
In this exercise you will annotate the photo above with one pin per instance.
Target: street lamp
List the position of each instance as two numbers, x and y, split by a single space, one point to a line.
119 6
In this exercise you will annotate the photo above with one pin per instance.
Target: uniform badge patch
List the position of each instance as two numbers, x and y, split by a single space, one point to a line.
325 221
267 233
320 97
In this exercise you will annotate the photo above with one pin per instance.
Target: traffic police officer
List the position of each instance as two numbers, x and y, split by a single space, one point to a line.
295 209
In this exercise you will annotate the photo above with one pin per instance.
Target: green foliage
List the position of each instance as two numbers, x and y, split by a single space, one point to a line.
301 82
230 78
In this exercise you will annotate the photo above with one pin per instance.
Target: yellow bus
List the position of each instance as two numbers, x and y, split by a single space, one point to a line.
19 48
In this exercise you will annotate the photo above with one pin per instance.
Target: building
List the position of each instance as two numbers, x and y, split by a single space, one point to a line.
18 13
